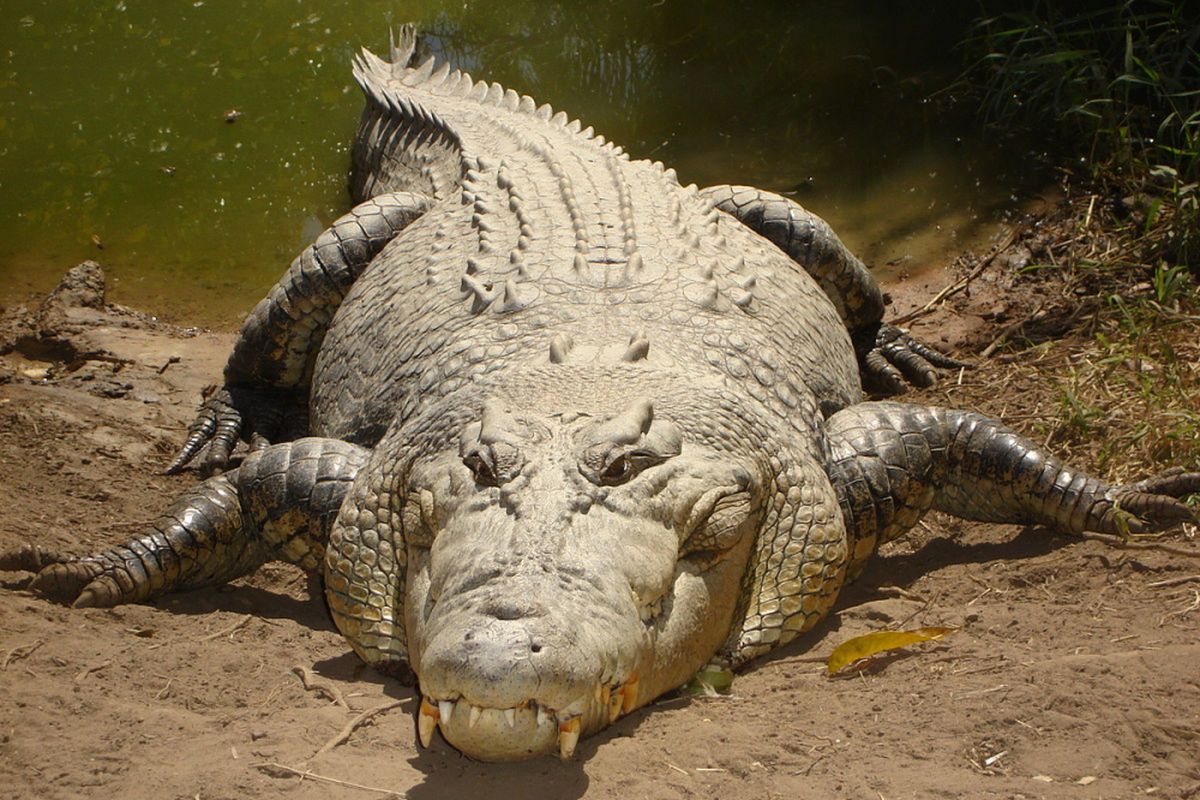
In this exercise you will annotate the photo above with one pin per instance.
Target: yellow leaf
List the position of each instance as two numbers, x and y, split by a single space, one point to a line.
871 644
710 681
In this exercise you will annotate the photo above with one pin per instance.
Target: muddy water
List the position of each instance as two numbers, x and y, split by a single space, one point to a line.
115 144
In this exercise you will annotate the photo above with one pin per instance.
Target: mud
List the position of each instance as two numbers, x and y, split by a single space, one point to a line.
1074 674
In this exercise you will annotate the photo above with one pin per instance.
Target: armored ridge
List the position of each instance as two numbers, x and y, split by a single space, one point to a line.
559 432
607 259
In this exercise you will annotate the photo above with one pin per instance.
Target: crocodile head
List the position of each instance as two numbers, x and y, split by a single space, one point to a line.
564 569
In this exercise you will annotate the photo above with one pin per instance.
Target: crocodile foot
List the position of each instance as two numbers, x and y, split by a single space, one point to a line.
1154 504
58 577
889 359
229 414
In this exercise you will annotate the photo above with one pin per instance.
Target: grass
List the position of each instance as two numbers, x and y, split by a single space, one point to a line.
1108 367
1105 369
1116 87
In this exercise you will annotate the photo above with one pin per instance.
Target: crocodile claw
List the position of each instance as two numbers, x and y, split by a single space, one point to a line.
230 414
81 582
217 426
890 359
1153 505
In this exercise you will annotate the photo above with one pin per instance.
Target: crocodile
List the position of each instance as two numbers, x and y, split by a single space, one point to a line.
559 431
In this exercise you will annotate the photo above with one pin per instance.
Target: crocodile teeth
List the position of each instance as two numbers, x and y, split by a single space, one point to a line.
473 718
542 716
568 737
615 702
445 710
427 720
510 716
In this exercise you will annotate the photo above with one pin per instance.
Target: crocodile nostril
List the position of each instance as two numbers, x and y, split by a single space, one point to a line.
535 647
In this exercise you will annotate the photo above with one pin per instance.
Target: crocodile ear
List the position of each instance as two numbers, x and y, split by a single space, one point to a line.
616 449
636 428
625 428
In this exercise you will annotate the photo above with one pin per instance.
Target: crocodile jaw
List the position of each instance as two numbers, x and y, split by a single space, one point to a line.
602 655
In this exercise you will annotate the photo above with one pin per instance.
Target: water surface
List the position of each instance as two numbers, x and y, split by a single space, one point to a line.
114 142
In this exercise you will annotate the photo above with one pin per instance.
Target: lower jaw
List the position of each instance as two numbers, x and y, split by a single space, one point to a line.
492 738
526 731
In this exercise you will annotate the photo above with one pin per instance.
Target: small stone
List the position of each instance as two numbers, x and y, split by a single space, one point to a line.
37 374
256 735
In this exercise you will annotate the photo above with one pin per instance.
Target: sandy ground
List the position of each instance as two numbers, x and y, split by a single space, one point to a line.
1076 672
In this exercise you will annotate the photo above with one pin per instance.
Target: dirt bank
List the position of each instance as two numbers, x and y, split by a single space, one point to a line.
1074 675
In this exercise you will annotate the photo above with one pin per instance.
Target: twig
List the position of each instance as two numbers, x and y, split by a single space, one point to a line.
17 653
234 628
1123 544
1011 329
805 659
1173 581
82 674
274 769
361 719
320 687
896 591
962 283
680 770
809 768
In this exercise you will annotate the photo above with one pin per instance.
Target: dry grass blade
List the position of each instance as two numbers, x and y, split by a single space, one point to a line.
277 770
229 631
1174 581
1125 544
962 283
17 653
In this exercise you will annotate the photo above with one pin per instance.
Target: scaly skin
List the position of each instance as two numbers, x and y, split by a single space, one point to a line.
606 429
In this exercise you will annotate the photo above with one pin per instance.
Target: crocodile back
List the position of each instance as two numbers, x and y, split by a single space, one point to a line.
547 244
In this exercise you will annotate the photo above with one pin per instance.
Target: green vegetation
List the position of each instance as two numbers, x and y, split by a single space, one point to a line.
1114 91
1116 85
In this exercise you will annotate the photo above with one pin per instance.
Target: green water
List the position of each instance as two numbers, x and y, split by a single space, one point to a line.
114 143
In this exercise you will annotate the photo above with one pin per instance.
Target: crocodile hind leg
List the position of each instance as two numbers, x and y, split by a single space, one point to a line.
887 355
270 367
892 462
279 504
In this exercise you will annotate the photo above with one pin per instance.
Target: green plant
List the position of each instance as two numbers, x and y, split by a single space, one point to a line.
1115 84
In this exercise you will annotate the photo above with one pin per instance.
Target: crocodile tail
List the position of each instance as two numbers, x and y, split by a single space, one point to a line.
401 144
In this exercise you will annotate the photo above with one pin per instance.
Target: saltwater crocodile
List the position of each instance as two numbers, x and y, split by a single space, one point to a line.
571 431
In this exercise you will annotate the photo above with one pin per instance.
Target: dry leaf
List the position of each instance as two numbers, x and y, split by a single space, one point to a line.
871 644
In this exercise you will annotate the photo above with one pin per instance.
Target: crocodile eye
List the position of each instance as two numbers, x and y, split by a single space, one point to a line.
480 465
619 470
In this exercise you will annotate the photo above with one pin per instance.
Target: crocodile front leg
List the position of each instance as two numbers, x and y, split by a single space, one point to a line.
279 504
271 364
887 355
892 462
